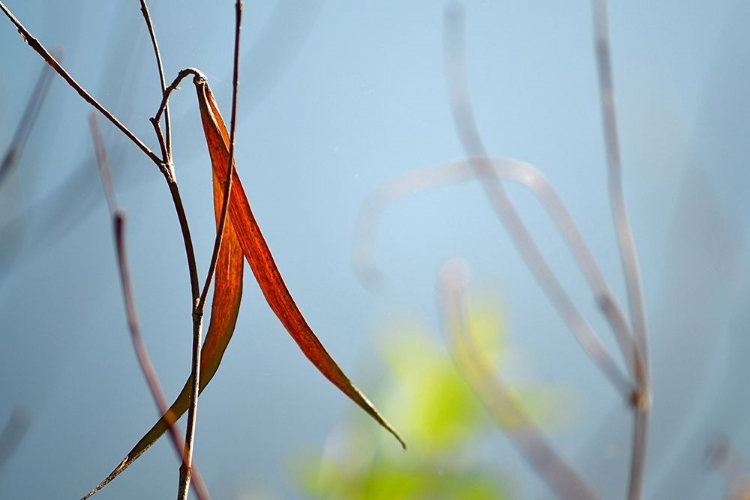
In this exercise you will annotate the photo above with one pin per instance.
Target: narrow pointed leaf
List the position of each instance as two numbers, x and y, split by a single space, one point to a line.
224 309
261 261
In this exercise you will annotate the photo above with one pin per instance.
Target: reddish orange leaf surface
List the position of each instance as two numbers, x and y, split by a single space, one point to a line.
261 261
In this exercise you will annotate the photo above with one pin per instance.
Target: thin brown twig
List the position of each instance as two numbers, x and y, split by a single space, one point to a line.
232 130
164 167
186 468
181 75
131 311
185 471
44 53
197 318
164 109
167 149
174 190
144 360
162 142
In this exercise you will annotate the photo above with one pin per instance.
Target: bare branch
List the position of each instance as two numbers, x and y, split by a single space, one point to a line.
642 399
228 184
529 176
49 58
463 116
167 145
184 73
144 360
185 471
479 372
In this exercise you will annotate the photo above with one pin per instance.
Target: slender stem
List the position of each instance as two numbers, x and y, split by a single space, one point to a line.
162 143
162 79
144 360
187 455
184 73
503 169
221 228
164 108
44 53
185 471
641 410
479 372
131 311
641 401
174 190
165 166
619 210
463 116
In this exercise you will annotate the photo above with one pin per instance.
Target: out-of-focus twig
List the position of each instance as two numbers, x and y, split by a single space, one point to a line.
50 59
641 400
636 356
30 113
528 175
463 116
144 360
164 167
502 404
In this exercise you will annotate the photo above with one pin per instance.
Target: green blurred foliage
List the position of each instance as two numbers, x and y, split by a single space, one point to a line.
430 401
442 419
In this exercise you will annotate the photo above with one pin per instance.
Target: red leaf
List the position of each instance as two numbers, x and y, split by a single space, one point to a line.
261 261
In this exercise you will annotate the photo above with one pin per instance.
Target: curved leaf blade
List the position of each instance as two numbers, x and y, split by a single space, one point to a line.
258 255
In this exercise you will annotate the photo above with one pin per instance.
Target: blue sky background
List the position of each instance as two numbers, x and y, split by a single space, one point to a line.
336 98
